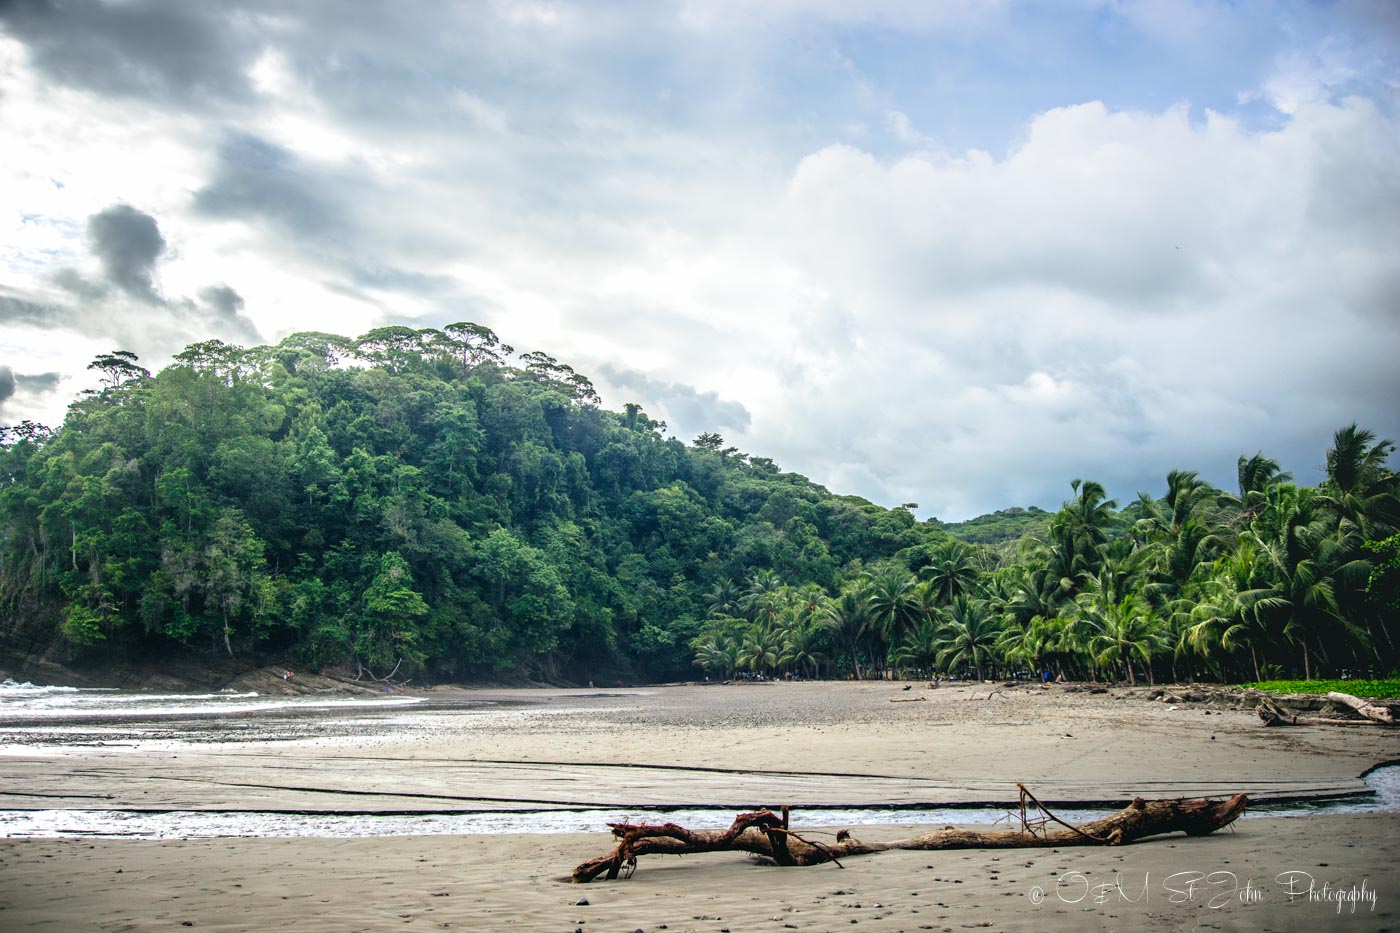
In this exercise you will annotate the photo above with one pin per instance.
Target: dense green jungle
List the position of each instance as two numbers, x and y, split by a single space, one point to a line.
426 503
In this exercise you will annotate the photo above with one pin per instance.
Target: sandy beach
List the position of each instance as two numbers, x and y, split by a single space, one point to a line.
740 746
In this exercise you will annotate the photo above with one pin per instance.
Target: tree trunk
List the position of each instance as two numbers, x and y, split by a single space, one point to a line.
767 834
1378 712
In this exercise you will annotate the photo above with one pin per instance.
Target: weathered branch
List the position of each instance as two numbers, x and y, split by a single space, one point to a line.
1275 715
767 834
1376 712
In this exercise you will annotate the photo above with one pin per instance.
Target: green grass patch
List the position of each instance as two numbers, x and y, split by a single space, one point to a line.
1389 687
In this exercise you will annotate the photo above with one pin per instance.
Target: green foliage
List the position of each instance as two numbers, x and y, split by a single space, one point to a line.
1372 689
1006 526
409 498
422 500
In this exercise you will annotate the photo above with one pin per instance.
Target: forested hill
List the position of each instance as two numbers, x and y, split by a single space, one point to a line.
426 503
405 495
1002 527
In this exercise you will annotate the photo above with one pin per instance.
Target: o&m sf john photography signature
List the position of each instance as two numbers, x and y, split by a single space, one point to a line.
1215 889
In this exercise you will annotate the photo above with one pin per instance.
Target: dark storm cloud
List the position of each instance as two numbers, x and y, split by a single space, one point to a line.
13 383
160 50
22 311
73 282
128 243
255 179
226 305
40 382
222 299
123 302
687 409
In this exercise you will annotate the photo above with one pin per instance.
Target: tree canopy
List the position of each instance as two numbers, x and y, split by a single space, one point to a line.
413 500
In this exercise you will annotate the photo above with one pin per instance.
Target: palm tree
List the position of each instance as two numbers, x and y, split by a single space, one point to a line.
1360 488
968 635
893 603
1079 528
1256 475
1306 567
717 655
1027 644
724 598
759 651
763 601
847 616
1182 540
952 572
1129 632
920 646
1230 612
802 648
1036 592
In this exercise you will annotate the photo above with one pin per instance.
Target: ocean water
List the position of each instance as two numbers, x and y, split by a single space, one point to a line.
45 711
204 824
25 702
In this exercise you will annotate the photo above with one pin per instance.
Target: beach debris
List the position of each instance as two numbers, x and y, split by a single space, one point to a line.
1272 713
1383 713
770 834
907 699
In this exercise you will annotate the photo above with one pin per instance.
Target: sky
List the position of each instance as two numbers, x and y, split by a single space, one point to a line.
948 253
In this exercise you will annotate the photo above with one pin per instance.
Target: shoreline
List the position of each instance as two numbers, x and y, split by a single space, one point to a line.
1238 879
803 744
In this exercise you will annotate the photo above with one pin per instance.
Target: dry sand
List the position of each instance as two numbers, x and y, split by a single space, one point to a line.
741 745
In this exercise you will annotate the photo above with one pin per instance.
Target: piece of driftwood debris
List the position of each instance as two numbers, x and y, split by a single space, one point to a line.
907 699
1272 714
1384 713
769 834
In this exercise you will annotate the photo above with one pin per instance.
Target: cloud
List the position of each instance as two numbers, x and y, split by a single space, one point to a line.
687 411
227 318
1082 238
127 242
13 385
121 303
222 299
1114 298
257 180
16 310
172 51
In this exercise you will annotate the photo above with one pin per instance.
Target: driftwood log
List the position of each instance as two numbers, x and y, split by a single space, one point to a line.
769 834
1274 714
1376 712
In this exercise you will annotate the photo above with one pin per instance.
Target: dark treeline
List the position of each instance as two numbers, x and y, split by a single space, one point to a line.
427 502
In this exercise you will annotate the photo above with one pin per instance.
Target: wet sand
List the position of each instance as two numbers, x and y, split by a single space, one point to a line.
741 746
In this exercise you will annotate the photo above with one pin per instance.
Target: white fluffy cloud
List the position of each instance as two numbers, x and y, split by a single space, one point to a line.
1121 294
